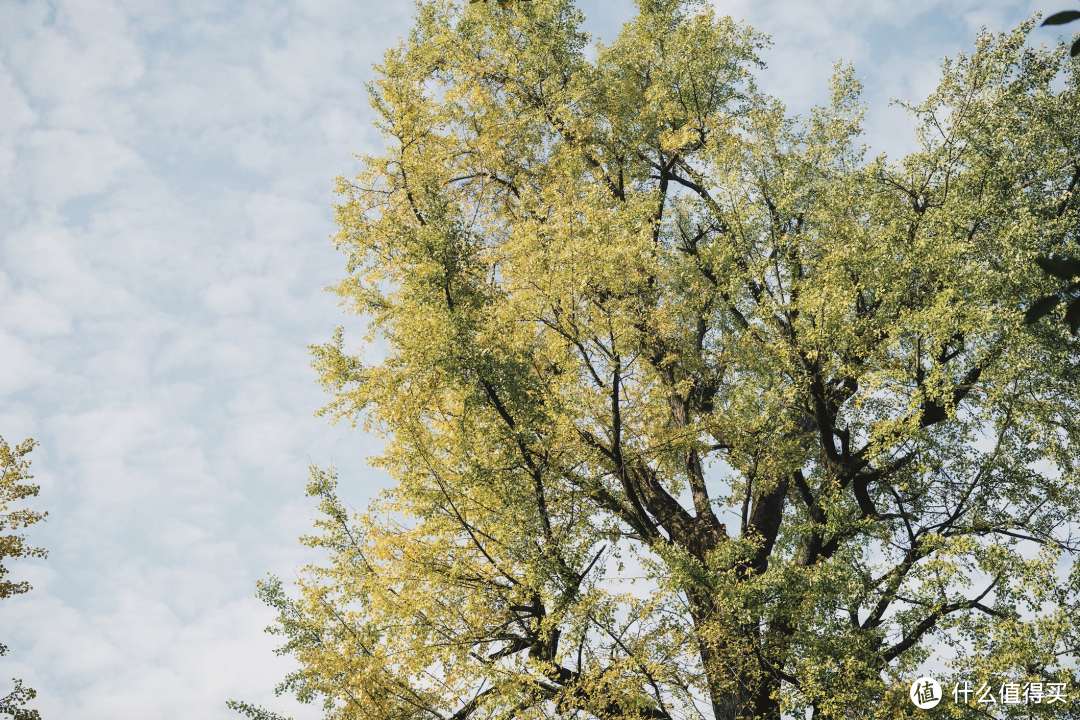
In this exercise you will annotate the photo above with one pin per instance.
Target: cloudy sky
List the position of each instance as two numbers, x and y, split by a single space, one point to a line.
165 204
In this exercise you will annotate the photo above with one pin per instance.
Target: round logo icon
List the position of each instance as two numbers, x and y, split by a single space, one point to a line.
925 693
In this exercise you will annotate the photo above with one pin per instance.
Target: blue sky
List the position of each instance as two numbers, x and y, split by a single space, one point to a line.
165 206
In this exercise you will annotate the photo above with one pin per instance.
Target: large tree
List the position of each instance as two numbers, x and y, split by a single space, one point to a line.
691 409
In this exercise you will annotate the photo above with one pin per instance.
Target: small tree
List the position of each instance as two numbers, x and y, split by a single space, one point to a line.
692 411
14 489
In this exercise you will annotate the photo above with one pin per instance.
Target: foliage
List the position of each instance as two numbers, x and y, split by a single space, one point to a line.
1064 269
502 3
15 703
253 711
14 489
692 410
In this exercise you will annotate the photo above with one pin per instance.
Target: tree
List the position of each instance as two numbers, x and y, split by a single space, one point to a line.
1057 267
14 489
1060 268
691 409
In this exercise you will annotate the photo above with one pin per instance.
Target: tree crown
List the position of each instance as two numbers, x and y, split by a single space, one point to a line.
692 409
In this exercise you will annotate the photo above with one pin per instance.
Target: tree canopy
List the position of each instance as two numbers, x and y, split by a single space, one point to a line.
692 409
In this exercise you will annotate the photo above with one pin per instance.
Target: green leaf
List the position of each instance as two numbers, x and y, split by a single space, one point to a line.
1064 268
1072 316
1066 16
253 711
1042 307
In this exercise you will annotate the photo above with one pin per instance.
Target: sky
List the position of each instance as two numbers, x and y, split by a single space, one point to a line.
166 174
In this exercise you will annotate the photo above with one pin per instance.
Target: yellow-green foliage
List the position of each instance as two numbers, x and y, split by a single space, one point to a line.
14 488
691 409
